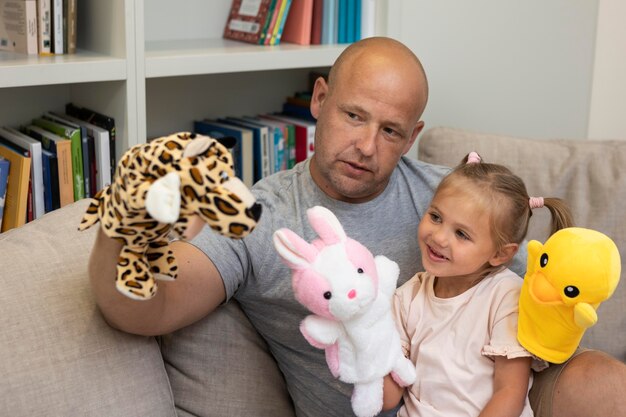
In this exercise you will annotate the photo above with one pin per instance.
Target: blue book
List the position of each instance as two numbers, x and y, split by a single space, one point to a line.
350 20
4 180
342 21
50 180
358 15
242 151
302 112
329 22
278 146
261 145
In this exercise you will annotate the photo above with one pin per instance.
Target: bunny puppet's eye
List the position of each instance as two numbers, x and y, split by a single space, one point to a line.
327 295
360 270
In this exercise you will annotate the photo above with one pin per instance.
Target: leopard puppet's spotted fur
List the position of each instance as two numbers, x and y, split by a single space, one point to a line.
158 187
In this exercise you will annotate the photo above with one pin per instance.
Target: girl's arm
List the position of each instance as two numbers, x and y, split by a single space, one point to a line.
392 393
510 387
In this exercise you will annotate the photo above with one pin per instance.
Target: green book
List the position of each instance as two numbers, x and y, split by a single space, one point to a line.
70 131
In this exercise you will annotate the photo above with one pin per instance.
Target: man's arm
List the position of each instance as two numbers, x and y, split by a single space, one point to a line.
197 291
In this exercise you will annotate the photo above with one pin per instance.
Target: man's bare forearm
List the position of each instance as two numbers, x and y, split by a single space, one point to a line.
196 292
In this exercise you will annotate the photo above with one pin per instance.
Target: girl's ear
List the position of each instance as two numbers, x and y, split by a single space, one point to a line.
504 255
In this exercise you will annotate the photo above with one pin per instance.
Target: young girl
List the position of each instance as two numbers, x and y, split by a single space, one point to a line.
458 319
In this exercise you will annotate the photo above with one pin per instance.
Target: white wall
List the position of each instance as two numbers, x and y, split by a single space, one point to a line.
516 68
608 98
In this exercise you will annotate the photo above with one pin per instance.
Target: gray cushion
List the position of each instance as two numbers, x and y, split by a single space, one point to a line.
57 355
220 366
590 175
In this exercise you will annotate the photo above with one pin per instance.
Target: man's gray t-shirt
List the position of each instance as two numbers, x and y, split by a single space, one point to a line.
254 274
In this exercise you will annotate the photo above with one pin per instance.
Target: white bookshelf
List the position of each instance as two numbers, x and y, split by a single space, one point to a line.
100 75
156 66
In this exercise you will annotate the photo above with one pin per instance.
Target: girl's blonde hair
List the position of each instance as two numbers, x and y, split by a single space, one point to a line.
504 194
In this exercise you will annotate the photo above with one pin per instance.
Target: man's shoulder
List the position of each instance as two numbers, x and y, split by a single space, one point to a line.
419 176
278 184
422 168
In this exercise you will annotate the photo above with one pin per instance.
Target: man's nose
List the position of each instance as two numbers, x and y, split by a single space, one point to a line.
366 141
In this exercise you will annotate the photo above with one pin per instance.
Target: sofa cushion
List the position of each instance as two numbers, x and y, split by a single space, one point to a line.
220 366
58 357
590 175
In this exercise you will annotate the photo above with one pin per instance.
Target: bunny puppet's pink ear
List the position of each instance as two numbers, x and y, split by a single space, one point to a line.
326 225
294 250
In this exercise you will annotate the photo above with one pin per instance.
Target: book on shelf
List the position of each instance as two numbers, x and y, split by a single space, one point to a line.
24 151
268 27
266 23
56 11
69 26
299 23
99 138
100 120
353 20
305 135
50 180
242 151
289 133
18 26
4 179
62 148
356 34
16 200
261 154
316 22
44 27
246 19
85 143
297 110
71 132
342 21
280 22
276 140
36 169
329 21
279 155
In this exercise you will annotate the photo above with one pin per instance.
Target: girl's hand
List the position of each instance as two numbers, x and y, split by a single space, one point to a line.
392 393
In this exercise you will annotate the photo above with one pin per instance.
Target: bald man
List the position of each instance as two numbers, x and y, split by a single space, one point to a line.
368 117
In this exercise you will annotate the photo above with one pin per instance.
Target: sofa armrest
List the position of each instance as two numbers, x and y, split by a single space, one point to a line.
58 357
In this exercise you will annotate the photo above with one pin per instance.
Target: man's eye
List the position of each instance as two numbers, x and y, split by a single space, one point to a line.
390 132
352 116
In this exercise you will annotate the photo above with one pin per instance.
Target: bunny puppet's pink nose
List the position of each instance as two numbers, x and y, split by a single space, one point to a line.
352 294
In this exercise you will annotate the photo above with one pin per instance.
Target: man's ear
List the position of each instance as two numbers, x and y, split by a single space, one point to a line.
504 254
320 92
416 131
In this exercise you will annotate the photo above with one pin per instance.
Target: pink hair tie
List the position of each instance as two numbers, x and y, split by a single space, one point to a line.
473 158
535 202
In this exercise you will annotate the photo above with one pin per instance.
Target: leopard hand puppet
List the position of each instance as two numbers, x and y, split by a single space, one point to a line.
159 186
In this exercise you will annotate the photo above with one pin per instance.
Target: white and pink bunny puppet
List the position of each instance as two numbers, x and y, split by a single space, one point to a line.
349 291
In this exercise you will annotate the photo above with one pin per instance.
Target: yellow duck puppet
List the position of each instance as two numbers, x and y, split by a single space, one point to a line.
566 280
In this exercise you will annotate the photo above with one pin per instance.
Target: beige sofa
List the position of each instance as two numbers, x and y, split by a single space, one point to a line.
59 358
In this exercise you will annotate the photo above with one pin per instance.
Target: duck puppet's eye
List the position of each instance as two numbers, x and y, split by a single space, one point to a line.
571 291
